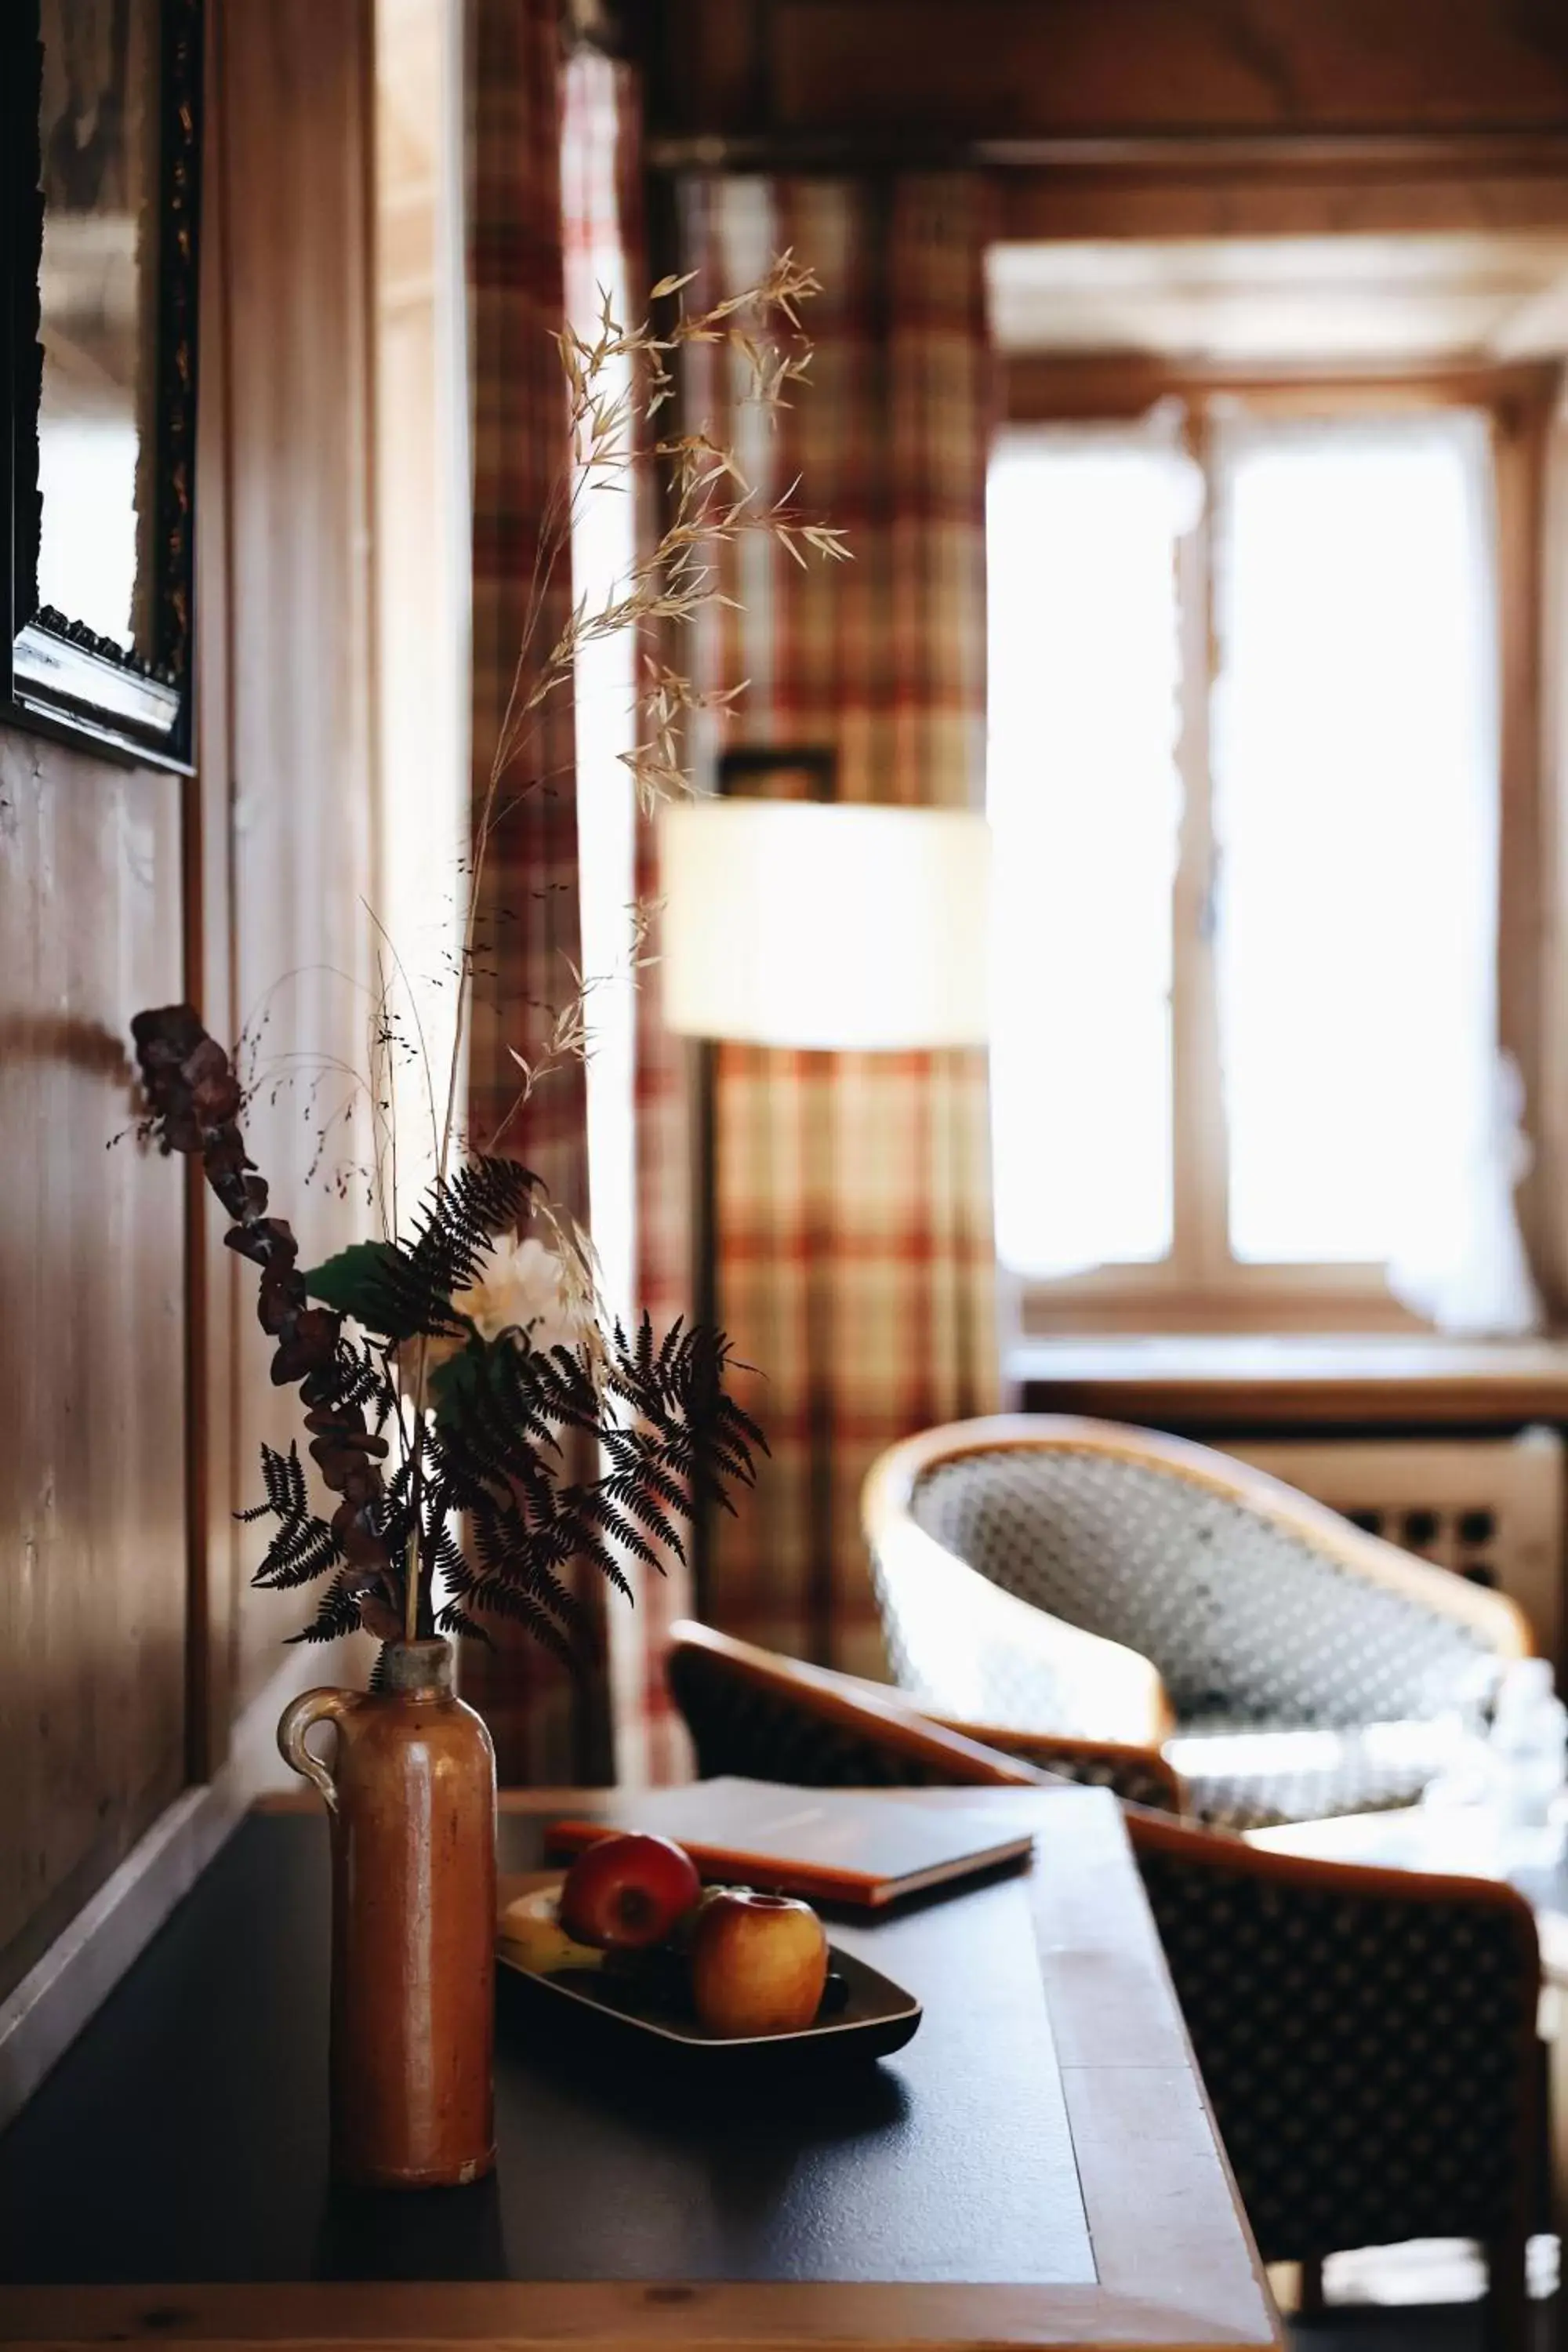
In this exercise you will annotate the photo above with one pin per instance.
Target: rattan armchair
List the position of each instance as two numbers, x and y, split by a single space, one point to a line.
1367 2038
1050 1574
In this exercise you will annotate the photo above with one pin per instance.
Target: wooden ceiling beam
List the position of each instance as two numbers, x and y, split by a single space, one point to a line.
949 72
1051 387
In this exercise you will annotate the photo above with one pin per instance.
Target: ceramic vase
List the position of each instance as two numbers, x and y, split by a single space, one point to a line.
410 1789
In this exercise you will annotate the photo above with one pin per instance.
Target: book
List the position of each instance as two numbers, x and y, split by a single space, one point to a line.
834 1845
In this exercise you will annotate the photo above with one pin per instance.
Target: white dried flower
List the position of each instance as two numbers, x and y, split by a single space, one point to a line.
521 1289
524 1288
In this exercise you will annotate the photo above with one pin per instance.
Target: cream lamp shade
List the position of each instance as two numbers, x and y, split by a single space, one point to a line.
837 925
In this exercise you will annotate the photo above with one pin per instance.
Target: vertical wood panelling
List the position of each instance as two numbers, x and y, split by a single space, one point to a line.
296 149
93 1549
213 1271
244 886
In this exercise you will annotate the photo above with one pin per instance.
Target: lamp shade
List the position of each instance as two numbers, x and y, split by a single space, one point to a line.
839 925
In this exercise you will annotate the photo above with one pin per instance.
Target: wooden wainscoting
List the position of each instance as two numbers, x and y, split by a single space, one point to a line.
133 1382
92 1468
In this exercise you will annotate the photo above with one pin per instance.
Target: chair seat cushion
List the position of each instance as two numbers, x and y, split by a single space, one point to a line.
1250 1775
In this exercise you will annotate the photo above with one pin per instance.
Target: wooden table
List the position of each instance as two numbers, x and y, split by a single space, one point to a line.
1038 2167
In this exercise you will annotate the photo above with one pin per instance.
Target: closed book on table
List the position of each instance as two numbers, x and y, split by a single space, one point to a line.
832 1845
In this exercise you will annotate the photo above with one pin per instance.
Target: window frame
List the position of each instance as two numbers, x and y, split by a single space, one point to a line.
1200 1286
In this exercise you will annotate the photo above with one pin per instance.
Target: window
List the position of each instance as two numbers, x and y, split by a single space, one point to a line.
1244 780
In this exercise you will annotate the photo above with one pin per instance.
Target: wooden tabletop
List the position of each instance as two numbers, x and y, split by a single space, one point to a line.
1036 2167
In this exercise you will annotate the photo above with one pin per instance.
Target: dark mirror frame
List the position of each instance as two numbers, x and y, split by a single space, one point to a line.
56 675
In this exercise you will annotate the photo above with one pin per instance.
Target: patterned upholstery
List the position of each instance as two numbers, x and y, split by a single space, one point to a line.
1005 1681
742 1725
1241 1617
1278 1783
739 1724
1367 2054
1249 1625
1127 1778
1138 1775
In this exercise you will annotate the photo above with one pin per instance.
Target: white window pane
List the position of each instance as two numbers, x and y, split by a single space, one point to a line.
1355 808
604 551
1082 794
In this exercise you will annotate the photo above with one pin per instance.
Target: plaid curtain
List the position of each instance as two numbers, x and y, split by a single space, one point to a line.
544 1727
606 249
868 1173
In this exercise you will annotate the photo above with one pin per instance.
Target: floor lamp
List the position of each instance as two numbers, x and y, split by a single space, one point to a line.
837 927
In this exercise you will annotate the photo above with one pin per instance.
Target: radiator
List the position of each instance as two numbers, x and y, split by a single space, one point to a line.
1488 1508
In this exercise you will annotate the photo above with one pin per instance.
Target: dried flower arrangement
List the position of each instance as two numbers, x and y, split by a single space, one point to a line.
440 1370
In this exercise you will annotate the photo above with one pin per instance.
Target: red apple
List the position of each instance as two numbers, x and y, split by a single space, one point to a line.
758 1963
626 1891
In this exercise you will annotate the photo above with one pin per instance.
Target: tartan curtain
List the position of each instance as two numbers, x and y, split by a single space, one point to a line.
605 245
874 1167
527 925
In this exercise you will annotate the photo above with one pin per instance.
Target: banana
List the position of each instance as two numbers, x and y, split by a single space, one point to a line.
534 1937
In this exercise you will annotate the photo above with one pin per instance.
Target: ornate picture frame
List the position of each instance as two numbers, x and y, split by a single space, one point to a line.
99 102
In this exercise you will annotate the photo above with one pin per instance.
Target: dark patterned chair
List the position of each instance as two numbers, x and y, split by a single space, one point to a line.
1041 1573
1368 2041
1367 2038
772 1718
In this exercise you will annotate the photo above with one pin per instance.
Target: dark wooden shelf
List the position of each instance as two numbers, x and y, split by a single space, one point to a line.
1211 1380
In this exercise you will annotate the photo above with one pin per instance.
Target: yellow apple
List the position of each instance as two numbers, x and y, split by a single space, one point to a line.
759 1963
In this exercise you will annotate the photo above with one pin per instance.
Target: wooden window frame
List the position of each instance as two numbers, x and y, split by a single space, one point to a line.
1200 1286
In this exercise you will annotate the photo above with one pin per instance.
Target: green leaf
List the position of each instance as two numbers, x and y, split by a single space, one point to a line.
453 1387
360 1281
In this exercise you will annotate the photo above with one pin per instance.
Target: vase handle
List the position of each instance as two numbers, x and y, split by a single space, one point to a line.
300 1716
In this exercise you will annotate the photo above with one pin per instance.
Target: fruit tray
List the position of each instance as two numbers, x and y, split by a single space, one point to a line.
866 2016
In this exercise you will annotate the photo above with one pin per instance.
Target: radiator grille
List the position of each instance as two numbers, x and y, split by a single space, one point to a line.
1488 1508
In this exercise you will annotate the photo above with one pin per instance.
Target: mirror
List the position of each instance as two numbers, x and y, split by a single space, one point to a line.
102 379
98 283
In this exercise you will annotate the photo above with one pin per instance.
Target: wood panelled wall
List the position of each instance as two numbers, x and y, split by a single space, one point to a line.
286 802
130 1636
1043 70
92 1462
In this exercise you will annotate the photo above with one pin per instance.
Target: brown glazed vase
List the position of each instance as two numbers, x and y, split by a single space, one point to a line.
411 1792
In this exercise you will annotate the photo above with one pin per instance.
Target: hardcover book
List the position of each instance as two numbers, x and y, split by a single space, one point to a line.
834 1845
